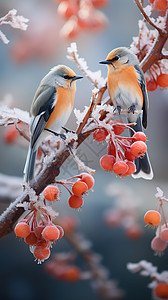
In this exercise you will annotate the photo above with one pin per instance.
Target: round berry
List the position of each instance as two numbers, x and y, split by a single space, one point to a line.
131 169
41 253
79 188
10 134
152 217
160 5
151 85
133 232
70 273
51 233
139 136
51 193
161 290
100 134
120 167
22 229
107 162
88 179
164 234
158 245
111 150
129 156
75 201
31 239
118 127
138 148
61 231
162 80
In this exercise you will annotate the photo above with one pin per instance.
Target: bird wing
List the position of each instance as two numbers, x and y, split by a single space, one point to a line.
45 98
142 83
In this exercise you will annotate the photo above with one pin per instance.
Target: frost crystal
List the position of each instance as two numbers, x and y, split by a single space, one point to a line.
10 116
159 193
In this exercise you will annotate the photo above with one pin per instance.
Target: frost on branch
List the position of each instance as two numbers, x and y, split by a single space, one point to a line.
95 77
13 115
14 21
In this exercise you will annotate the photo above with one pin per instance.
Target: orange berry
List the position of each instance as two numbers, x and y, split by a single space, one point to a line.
133 232
129 156
139 136
151 1
131 169
51 233
31 239
158 245
43 244
79 188
161 290
100 134
51 193
138 148
22 229
98 3
107 162
118 127
160 5
38 230
70 273
10 134
151 85
88 179
120 167
61 231
152 217
67 9
164 234
41 253
75 201
162 80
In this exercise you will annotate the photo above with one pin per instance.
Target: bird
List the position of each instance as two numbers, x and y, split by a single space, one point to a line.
127 89
50 110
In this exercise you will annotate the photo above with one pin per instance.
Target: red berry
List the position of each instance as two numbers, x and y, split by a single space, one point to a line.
44 244
79 188
152 217
75 201
98 3
51 233
22 229
158 245
133 232
160 5
67 9
164 234
129 156
51 193
107 162
41 253
161 290
70 273
111 150
10 134
100 134
162 80
151 1
88 179
120 167
151 85
38 230
139 136
138 148
131 169
61 231
118 127
31 239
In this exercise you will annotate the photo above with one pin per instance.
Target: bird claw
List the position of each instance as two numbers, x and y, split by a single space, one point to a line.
118 108
132 108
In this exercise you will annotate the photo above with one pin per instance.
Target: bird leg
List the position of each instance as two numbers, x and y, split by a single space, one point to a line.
62 136
132 108
118 108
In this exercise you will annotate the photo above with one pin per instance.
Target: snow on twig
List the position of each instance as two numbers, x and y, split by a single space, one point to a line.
13 115
95 77
15 21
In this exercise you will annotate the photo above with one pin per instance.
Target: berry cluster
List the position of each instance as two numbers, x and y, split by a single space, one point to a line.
81 15
159 5
154 218
153 81
84 183
39 233
121 151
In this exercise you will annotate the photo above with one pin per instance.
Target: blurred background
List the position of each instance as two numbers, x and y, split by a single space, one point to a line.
24 61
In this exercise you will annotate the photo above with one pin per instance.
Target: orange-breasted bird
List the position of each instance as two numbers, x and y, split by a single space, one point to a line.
127 89
50 109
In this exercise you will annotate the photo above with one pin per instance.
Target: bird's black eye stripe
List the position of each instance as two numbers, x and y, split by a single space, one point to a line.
115 58
67 77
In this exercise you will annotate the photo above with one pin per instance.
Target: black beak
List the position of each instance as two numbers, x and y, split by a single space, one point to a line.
105 62
76 77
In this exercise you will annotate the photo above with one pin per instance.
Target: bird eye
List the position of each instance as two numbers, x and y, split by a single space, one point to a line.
116 58
66 77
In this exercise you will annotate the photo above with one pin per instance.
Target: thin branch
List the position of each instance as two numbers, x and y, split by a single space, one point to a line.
161 32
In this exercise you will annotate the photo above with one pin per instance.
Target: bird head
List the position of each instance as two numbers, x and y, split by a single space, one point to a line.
120 58
61 76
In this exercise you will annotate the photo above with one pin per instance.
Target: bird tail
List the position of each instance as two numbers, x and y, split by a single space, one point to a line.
143 165
30 164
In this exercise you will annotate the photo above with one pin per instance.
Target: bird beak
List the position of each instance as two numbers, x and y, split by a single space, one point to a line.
105 62
76 77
